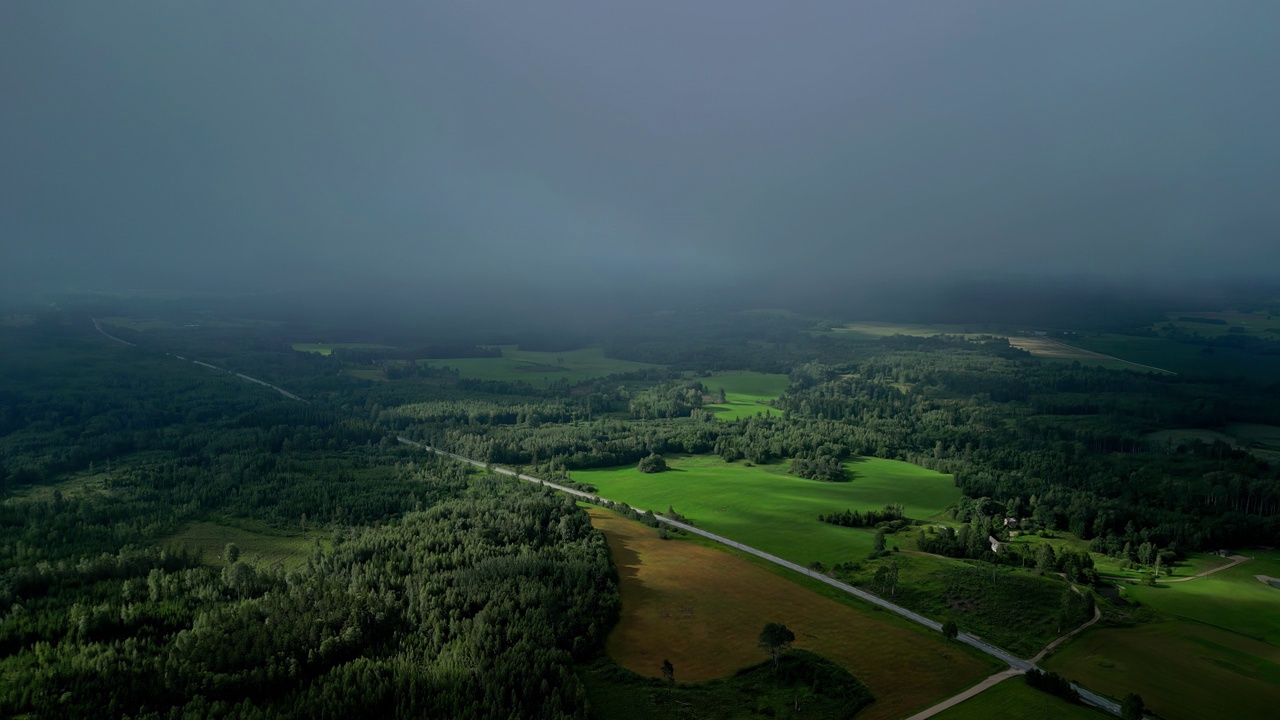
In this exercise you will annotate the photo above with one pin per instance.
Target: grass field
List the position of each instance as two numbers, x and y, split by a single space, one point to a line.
327 349
1261 324
765 507
540 368
262 546
703 609
1183 670
1013 698
1183 358
1233 599
746 393
1261 440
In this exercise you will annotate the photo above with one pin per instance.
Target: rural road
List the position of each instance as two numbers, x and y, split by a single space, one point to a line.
1017 665
98 324
1235 560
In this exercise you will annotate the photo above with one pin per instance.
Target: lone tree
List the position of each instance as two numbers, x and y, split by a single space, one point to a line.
775 638
949 630
1132 708
668 673
653 464
231 553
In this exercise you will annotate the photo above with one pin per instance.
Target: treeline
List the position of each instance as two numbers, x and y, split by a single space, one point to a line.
870 518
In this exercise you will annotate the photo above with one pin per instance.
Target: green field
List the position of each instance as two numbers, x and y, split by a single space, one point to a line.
328 348
746 393
260 546
1261 440
1013 698
1183 670
765 507
1182 358
1261 324
1233 599
540 368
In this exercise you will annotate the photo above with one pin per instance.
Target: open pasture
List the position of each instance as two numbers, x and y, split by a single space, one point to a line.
1013 698
263 547
746 393
765 507
1233 599
1183 670
703 608
540 368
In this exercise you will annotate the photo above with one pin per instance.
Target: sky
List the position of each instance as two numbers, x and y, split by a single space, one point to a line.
666 146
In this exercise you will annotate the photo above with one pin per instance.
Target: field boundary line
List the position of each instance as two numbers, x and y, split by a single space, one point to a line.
1016 664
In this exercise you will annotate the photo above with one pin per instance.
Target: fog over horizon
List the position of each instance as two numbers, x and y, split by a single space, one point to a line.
669 149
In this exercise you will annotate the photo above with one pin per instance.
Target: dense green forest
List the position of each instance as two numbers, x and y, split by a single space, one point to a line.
426 590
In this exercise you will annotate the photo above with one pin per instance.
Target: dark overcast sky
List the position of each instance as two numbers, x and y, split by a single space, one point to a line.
240 144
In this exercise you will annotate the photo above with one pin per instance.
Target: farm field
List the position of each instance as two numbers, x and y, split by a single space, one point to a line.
1182 358
764 507
327 349
264 547
824 690
1262 324
746 393
1013 698
702 609
1233 599
1183 670
880 329
540 368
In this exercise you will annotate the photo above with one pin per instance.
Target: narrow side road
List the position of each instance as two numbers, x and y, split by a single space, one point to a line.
957 699
1016 665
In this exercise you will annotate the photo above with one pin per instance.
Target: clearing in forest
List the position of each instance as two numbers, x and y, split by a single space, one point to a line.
262 547
1183 670
703 609
746 393
766 508
540 368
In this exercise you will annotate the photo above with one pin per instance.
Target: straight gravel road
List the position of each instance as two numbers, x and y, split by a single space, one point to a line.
1017 665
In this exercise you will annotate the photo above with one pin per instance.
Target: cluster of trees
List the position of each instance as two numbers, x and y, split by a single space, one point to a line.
824 467
853 518
1052 683
652 464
